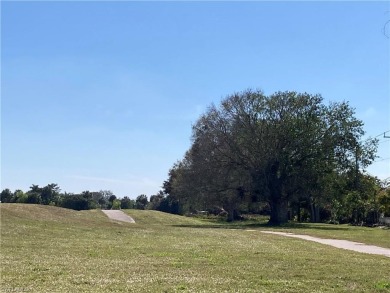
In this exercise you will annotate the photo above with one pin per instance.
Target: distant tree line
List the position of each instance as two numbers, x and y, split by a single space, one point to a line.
104 199
287 155
51 195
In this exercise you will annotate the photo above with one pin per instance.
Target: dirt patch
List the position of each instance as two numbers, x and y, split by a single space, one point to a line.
118 215
344 244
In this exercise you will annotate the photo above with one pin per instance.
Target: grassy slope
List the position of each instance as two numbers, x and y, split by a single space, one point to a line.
49 249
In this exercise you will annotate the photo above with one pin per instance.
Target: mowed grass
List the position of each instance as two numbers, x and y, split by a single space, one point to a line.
373 236
49 249
379 236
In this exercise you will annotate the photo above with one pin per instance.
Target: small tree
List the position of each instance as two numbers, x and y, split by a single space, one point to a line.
75 202
34 198
141 202
155 201
99 199
127 203
21 197
50 194
384 198
111 199
116 204
34 194
6 195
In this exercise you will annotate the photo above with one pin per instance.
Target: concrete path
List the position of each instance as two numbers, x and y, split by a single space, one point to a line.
344 244
118 215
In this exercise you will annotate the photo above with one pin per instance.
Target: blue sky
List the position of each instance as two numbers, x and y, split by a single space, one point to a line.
102 95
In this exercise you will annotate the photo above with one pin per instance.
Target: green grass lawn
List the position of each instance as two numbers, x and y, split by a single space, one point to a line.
50 249
379 236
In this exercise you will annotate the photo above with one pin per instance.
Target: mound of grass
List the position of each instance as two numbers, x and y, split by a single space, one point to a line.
46 249
48 213
151 217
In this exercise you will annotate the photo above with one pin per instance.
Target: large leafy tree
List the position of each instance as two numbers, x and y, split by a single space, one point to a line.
274 148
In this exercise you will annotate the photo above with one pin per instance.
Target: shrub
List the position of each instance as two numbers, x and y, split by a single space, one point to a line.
34 198
116 204
6 195
127 203
75 202
20 198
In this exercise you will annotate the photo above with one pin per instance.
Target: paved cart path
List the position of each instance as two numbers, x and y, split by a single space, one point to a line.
118 215
344 244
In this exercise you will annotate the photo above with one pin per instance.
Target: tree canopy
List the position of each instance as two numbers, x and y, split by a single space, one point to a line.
276 149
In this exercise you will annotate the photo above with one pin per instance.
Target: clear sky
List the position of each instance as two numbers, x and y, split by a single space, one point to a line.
102 95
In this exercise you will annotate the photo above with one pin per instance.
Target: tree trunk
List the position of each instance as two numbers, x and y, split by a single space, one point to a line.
233 215
278 204
230 216
314 212
279 212
299 212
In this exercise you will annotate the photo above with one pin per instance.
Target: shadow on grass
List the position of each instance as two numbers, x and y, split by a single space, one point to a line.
242 225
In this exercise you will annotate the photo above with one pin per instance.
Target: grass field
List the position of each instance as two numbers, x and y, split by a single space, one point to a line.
50 249
373 236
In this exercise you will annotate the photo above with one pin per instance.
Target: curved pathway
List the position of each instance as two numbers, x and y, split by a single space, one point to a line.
118 215
344 244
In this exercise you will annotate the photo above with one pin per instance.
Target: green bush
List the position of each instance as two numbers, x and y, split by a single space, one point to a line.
116 204
34 198
75 202
127 203
21 198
